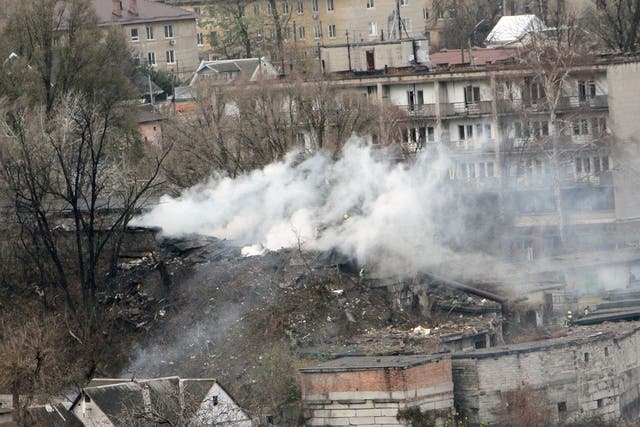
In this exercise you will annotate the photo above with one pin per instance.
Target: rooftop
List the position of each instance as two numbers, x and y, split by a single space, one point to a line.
148 11
367 363
575 336
481 56
511 29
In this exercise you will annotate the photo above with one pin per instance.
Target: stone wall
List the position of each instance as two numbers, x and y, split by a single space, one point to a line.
373 396
596 376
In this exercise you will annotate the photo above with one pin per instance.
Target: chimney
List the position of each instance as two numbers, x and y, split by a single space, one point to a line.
133 7
117 7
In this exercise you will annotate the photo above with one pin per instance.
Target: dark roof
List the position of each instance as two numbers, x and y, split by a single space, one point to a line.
145 116
117 401
481 56
367 363
148 11
120 399
53 416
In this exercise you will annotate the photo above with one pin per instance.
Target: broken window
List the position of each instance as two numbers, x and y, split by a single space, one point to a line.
586 357
606 351
214 400
562 406
600 403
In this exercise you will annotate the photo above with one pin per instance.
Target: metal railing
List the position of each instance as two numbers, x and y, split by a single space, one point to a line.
565 103
461 109
422 110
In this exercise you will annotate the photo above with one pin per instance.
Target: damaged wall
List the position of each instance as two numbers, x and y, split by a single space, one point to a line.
371 390
581 378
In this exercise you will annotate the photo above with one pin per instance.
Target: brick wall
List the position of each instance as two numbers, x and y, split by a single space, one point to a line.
374 396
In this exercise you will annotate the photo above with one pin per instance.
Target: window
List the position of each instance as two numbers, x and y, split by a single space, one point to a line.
601 4
600 403
314 6
606 351
171 57
213 38
200 39
404 2
256 8
285 7
586 357
301 33
134 35
581 127
151 58
317 32
330 5
300 7
406 24
196 10
269 9
214 400
371 4
149 33
562 406
490 169
332 31
373 28
586 89
471 94
425 13
168 31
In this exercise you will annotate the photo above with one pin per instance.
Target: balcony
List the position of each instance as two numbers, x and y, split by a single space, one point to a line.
420 110
571 103
470 145
565 104
464 109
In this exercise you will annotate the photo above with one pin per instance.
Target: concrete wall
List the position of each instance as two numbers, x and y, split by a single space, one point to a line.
373 397
624 92
598 376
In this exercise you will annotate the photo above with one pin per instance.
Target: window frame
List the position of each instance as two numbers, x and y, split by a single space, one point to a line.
171 56
135 38
151 59
331 31
168 31
150 32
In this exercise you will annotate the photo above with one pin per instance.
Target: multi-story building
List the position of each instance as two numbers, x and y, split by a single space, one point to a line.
159 35
309 23
489 116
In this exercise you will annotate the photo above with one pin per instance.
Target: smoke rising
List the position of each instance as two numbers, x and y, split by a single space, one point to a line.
366 206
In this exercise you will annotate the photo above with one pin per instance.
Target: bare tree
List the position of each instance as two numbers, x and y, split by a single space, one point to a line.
466 22
616 23
32 362
547 61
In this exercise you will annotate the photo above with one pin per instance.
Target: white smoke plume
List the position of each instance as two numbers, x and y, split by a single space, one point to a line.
368 207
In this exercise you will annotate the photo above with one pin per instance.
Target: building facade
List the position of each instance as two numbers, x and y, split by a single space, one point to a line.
159 35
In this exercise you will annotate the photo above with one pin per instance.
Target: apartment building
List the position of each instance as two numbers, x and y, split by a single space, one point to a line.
159 35
488 116
309 23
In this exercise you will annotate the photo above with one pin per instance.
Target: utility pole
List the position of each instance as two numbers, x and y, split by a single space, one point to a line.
399 20
348 50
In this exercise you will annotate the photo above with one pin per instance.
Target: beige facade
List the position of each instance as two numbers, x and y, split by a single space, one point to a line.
159 35
169 46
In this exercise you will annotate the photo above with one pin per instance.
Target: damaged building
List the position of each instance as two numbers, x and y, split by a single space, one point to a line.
590 374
